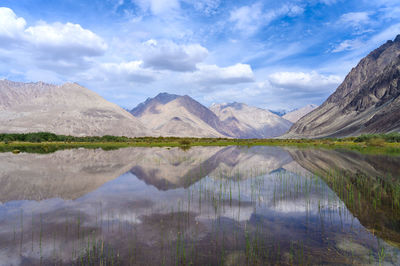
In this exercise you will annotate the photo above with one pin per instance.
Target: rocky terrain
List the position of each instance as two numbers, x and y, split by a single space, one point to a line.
69 109
180 116
250 122
366 102
296 114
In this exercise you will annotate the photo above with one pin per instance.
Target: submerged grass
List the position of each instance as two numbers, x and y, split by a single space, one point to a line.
44 142
178 238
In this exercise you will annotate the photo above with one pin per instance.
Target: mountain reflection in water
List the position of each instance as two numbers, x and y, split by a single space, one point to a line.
207 205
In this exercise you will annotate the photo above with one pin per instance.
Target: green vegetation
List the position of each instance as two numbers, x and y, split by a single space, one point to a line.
391 137
45 142
51 137
374 200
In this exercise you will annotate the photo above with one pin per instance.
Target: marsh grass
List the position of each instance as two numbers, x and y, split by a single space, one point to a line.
44 142
179 236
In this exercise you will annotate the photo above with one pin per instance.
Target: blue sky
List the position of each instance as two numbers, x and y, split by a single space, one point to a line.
271 54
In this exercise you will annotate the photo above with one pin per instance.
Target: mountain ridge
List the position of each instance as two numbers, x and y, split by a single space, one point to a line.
294 115
249 121
179 116
369 93
68 109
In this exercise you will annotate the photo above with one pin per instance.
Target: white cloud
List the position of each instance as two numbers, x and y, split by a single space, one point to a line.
361 47
392 12
304 81
128 71
10 25
388 34
66 39
62 48
72 39
348 45
167 55
355 19
249 19
210 75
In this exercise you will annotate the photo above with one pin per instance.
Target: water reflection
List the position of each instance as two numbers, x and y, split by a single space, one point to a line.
207 205
368 184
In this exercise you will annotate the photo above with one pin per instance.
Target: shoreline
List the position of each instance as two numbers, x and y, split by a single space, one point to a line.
385 148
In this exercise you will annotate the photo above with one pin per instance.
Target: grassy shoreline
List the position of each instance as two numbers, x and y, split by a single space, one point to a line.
52 146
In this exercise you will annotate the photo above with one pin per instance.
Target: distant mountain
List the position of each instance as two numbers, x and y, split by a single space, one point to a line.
181 116
280 112
296 114
68 109
250 122
368 100
151 103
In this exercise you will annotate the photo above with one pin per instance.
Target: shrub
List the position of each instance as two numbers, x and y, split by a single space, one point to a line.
185 142
364 138
377 142
393 137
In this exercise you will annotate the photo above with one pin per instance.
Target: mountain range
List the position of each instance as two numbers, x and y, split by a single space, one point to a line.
71 109
250 122
182 116
366 102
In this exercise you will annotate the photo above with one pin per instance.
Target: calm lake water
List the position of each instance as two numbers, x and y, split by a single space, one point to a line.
202 206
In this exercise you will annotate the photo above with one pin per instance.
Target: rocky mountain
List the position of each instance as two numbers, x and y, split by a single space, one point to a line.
250 122
296 114
366 102
68 109
152 103
181 116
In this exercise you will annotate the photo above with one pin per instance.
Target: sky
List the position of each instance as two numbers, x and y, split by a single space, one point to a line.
271 54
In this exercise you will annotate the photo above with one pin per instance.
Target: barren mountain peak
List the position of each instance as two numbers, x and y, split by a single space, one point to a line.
175 115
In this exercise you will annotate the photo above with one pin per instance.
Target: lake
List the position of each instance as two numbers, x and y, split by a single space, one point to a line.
203 206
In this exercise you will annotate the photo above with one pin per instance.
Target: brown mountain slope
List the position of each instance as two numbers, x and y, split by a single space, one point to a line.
366 102
250 122
180 116
69 109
